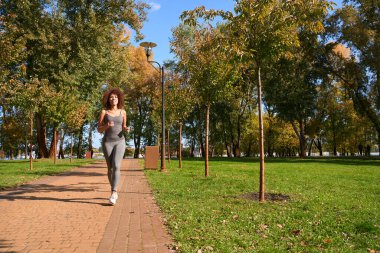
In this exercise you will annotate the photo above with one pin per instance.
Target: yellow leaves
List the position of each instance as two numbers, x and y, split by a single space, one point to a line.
76 115
141 70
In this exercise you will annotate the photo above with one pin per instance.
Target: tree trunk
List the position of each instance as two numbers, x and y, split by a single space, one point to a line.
202 146
192 148
90 129
310 147
53 143
168 144
200 135
26 145
2 129
301 136
206 139
227 149
61 139
180 146
80 140
378 139
318 144
238 154
137 142
261 139
249 150
71 148
31 142
41 137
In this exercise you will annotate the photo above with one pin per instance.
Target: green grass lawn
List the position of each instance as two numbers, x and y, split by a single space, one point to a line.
334 205
13 173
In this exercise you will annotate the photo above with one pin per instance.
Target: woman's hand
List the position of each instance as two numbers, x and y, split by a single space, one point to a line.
127 129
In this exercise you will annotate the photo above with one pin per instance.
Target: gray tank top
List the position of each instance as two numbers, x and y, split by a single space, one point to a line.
114 133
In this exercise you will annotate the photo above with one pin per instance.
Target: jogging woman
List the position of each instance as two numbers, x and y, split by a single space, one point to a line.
113 121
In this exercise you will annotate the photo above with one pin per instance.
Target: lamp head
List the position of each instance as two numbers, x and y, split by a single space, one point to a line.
148 46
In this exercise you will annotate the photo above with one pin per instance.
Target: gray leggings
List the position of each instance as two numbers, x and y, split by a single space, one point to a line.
114 152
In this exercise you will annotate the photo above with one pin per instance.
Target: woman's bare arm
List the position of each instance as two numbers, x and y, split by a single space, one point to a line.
102 127
125 128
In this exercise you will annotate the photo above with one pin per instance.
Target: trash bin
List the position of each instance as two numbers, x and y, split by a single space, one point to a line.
88 155
152 155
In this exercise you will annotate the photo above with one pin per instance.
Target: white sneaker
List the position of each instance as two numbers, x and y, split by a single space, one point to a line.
113 198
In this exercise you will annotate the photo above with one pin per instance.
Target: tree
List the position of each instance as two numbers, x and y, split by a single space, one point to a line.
263 31
72 45
209 74
356 25
179 101
142 92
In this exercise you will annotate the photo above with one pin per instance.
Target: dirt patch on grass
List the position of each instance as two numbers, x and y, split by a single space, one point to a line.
255 196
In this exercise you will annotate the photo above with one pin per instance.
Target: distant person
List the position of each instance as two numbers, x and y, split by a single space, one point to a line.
368 150
113 121
360 147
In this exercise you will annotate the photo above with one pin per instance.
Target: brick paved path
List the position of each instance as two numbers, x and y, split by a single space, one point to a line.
70 213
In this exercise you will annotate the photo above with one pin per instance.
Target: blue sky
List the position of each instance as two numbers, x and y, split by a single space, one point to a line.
162 17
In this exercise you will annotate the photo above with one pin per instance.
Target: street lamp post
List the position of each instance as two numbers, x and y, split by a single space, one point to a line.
148 46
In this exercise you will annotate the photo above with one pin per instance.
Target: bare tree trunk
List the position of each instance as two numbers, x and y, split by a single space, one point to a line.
53 145
202 145
180 146
192 148
199 131
249 150
227 149
238 153
2 129
206 139
261 141
137 142
80 140
71 148
310 146
269 146
54 142
31 142
301 136
378 139
318 144
168 144
60 152
41 137
91 126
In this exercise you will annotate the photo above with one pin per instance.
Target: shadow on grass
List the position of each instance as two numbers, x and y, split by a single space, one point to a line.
255 196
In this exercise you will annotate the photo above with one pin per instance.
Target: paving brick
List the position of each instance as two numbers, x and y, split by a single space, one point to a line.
70 213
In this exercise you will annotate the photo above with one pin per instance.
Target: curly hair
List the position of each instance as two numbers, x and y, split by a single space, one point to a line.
118 93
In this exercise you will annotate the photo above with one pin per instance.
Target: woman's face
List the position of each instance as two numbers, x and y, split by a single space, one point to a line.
113 99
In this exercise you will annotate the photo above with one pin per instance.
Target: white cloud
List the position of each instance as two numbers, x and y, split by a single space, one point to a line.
154 6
